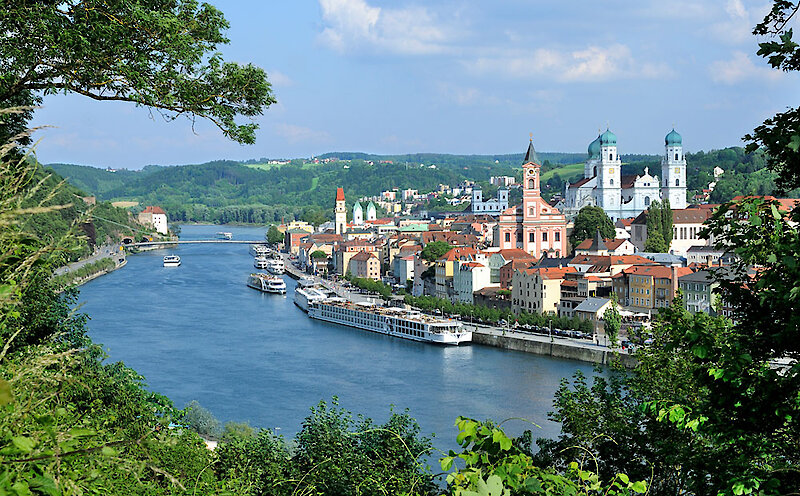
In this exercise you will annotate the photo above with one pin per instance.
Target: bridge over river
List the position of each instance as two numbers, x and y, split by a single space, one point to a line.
200 241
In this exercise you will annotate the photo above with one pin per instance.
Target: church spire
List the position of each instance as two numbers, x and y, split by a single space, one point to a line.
530 155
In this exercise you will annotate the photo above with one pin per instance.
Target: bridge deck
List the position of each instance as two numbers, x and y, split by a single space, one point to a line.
198 241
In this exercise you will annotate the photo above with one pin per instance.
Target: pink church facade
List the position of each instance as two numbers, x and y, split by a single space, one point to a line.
534 226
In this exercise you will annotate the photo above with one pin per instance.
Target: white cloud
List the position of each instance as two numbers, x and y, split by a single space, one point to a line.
354 25
298 134
592 64
739 68
737 22
280 79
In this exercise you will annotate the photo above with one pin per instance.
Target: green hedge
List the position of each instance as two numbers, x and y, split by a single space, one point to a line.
64 280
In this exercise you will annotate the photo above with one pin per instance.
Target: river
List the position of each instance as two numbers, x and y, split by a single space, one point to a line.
197 332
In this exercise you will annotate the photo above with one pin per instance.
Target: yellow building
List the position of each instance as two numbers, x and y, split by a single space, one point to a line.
538 289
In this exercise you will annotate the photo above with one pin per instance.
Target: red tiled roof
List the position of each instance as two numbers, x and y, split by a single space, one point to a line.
627 180
516 254
552 272
657 271
458 252
339 194
153 210
581 182
364 256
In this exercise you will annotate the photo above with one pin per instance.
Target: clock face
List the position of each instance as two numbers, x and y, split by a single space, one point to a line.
530 172
677 170
610 171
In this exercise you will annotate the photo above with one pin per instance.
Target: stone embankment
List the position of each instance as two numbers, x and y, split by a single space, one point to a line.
557 347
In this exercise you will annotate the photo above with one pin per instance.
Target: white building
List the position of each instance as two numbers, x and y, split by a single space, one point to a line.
358 214
155 217
626 196
403 268
371 211
340 213
469 277
493 206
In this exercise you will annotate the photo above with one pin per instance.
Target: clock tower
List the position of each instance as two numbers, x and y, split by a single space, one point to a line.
673 171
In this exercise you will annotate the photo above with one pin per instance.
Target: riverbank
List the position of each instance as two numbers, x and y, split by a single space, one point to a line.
556 347
497 337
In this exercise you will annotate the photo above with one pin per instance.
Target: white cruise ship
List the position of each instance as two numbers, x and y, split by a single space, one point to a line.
308 291
276 266
266 283
261 262
397 322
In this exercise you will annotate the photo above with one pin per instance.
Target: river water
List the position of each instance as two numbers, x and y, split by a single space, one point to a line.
197 332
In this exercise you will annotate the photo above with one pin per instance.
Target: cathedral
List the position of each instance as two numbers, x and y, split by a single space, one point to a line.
629 195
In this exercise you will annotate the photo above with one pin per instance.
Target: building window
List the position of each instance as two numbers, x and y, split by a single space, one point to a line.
646 201
531 237
532 211
544 236
531 184
677 182
676 156
611 156
508 237
558 236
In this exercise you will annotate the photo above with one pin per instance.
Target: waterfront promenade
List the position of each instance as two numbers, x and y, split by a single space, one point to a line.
500 337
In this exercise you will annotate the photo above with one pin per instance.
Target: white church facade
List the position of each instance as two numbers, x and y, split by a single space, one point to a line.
620 196
492 206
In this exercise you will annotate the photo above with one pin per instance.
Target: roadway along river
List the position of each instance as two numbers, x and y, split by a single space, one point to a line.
198 332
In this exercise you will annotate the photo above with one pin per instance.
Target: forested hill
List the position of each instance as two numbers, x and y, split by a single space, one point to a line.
256 191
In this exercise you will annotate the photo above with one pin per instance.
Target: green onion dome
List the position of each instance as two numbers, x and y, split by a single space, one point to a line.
608 139
594 148
673 139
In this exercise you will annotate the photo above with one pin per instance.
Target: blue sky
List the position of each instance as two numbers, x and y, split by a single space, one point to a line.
461 77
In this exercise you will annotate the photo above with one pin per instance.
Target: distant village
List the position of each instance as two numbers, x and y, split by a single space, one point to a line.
518 257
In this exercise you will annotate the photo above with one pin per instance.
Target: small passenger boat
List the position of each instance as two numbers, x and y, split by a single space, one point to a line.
225 235
172 261
266 283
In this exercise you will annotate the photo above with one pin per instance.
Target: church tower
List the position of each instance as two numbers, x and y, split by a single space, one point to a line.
673 171
358 214
340 213
609 193
530 184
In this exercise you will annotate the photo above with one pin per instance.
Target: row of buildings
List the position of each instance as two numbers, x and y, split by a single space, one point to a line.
519 258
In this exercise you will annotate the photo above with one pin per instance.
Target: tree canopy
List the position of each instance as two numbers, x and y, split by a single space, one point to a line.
159 54
591 219
779 135
435 250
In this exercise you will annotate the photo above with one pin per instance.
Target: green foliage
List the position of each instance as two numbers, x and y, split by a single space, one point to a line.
158 54
274 236
494 315
318 255
657 229
334 453
200 420
612 320
494 465
372 286
435 250
779 136
78 275
590 220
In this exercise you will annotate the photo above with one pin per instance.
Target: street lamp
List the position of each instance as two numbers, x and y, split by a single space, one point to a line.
550 328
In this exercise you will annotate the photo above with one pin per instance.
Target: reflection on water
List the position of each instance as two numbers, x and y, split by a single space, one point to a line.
198 332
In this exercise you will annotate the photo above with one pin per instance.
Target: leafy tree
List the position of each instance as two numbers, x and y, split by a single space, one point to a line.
318 255
666 222
779 135
274 236
201 420
655 230
612 320
158 54
591 219
435 250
